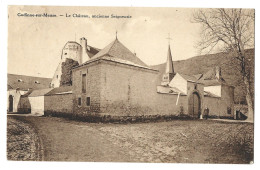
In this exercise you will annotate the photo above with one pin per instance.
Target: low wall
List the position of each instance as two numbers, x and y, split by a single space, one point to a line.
58 104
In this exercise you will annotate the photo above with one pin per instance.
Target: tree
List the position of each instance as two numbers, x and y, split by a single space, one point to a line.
230 30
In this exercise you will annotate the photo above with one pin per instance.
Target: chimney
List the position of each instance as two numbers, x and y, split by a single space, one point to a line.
84 44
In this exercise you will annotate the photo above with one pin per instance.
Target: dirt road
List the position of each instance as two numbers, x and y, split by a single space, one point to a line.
74 141
176 141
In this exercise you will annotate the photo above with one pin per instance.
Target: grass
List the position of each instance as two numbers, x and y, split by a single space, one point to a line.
187 141
21 141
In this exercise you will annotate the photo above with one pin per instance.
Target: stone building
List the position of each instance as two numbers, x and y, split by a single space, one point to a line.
116 82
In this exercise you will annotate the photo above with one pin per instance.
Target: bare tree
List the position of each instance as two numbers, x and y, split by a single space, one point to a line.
230 30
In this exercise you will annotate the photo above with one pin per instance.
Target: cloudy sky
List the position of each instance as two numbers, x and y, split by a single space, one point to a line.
35 44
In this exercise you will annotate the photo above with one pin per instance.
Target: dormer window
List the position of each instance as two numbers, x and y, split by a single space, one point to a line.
37 82
20 80
65 53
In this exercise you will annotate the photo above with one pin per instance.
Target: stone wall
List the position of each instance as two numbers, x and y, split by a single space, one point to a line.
93 88
218 107
121 90
58 104
118 89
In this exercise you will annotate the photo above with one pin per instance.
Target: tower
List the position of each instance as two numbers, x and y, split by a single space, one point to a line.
169 70
84 45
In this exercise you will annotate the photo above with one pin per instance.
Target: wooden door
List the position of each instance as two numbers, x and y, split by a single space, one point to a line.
194 104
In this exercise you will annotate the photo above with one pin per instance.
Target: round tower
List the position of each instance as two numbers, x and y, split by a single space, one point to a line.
72 50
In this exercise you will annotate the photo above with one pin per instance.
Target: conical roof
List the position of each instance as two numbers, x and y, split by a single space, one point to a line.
169 63
117 50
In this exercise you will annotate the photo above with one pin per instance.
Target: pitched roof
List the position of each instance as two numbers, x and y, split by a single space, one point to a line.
40 92
23 82
60 90
117 50
91 51
188 77
210 79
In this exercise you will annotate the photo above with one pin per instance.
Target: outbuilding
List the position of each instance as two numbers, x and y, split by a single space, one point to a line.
36 99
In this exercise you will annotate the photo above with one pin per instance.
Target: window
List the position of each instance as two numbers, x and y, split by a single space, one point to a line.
229 110
57 76
65 53
79 101
84 78
88 101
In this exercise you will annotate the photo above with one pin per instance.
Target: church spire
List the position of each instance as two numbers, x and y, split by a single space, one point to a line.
169 63
169 70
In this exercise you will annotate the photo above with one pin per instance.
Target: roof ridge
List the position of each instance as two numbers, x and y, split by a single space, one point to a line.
112 46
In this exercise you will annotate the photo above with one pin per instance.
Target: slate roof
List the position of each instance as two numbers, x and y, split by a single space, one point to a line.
60 90
116 51
40 92
91 51
169 63
27 82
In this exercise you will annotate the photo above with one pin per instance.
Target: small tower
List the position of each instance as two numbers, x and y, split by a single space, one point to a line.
84 45
169 70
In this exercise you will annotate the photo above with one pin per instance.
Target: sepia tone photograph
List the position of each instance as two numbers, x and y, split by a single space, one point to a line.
130 84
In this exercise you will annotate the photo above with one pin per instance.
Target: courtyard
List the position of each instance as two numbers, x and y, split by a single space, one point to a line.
177 141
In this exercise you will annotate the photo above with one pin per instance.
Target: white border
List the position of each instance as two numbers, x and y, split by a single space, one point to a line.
131 3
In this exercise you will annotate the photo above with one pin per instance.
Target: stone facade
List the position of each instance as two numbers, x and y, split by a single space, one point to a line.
119 89
58 104
221 106
93 88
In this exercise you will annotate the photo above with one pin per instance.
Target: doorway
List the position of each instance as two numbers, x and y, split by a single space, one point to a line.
194 105
11 103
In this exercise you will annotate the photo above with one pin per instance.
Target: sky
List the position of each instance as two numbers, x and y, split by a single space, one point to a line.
35 43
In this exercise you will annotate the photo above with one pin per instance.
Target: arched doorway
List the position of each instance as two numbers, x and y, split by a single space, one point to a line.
11 103
194 105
